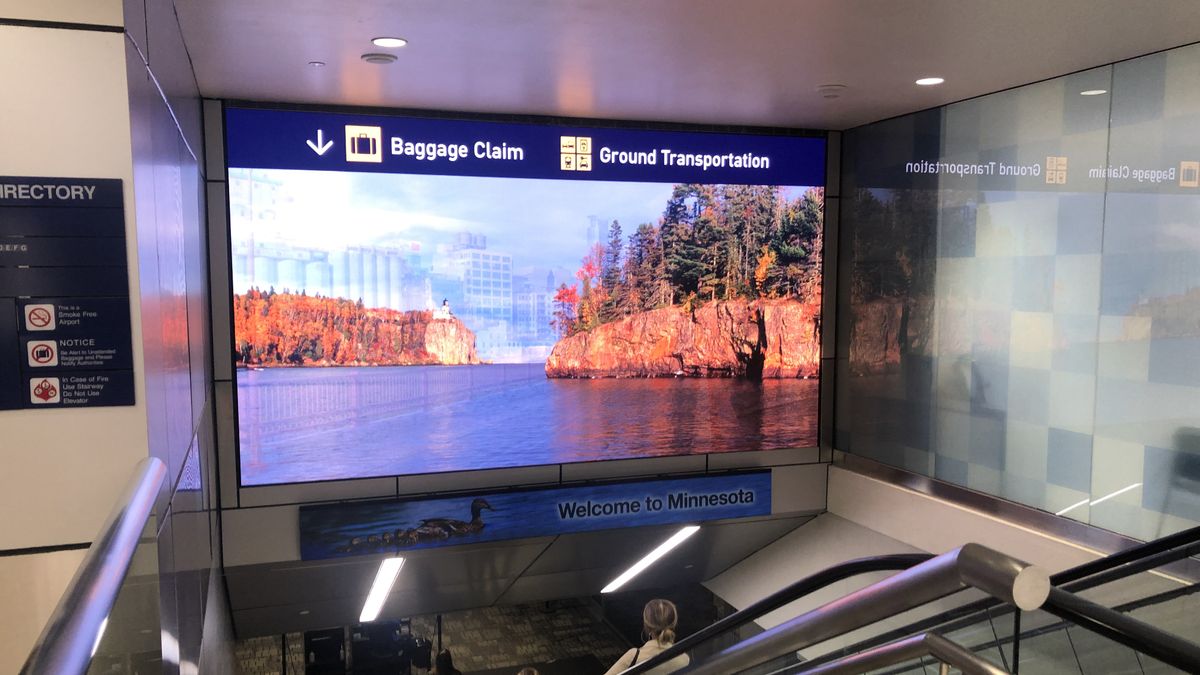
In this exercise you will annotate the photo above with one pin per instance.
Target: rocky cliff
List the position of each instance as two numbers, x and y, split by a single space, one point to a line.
285 329
729 338
448 341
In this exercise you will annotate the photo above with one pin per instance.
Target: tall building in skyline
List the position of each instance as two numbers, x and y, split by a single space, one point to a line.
379 276
509 315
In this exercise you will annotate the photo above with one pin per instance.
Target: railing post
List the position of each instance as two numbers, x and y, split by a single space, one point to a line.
1016 664
999 575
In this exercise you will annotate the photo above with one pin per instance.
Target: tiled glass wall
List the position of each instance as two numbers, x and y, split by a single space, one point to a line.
1019 307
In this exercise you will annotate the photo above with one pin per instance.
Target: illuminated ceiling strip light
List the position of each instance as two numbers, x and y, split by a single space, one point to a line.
1118 492
1073 506
663 548
384 578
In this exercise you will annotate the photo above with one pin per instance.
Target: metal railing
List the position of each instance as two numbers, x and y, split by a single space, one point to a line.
788 594
1124 629
950 654
1001 576
1139 558
1134 560
70 637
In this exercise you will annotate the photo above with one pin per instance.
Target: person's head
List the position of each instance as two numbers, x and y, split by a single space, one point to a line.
444 663
528 670
659 618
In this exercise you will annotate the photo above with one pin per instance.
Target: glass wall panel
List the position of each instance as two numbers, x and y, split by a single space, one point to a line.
1020 294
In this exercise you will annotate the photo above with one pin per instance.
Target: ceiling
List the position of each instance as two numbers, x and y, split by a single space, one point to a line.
267 599
754 62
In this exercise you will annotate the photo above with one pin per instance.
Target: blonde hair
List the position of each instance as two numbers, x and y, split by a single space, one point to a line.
659 617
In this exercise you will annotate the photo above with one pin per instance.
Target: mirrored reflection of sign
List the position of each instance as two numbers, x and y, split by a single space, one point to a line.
337 530
1189 174
65 336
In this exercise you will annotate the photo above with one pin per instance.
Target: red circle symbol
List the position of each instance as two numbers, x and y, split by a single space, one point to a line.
39 317
42 353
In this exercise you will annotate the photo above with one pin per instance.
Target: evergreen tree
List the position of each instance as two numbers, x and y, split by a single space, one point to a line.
633 284
610 271
712 242
610 276
797 241
710 234
683 252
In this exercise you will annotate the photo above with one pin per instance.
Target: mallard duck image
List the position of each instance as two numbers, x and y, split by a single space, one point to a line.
426 533
458 528
404 537
430 530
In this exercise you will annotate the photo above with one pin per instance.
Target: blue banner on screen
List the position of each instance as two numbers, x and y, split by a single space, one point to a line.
336 530
317 141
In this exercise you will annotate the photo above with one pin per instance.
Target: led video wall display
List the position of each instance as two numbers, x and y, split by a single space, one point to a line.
416 295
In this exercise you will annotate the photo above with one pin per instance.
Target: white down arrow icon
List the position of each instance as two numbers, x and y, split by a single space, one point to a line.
322 145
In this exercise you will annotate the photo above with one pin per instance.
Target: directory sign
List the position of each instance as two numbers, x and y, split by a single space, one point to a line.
338 530
65 336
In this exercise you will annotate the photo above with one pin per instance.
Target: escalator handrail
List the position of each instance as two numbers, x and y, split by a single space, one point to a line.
1082 577
1145 564
1131 554
782 597
1122 628
926 644
1059 625
998 575
76 626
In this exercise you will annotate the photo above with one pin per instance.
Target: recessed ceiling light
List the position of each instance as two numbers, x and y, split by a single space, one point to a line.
831 90
380 59
930 81
304 612
1093 92
317 64
389 42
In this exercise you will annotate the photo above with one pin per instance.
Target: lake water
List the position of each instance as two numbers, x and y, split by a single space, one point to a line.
306 424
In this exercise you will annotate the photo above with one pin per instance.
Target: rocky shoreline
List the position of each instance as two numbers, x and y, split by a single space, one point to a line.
754 339
287 330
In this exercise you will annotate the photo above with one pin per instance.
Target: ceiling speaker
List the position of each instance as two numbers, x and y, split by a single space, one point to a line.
380 59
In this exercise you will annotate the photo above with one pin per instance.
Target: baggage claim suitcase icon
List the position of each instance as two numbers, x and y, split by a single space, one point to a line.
1189 174
363 144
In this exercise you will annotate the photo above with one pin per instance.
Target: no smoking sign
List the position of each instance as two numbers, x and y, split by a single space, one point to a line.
39 317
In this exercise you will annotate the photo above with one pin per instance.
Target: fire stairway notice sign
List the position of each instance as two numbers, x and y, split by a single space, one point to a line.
65 334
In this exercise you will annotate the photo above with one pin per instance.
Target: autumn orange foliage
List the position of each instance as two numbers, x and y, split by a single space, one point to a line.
278 329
